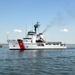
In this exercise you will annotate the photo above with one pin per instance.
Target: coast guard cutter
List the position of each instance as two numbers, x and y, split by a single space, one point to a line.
34 40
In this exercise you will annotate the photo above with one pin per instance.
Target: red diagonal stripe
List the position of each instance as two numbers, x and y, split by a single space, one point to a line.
20 42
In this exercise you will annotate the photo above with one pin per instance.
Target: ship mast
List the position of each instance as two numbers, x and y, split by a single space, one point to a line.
36 26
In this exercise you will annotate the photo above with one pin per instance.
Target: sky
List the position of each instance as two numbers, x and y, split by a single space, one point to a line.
19 16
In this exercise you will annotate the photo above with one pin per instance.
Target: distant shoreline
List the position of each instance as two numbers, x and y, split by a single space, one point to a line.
0 45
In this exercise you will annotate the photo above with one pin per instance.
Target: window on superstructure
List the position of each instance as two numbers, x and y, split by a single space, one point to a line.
40 44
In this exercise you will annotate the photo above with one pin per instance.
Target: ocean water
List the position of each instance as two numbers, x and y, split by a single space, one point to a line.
37 62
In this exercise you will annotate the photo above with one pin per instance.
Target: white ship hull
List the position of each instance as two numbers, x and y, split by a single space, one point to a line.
15 45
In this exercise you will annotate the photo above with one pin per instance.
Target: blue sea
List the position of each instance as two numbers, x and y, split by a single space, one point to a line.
37 62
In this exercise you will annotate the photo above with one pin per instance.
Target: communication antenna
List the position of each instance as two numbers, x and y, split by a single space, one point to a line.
36 26
26 30
7 36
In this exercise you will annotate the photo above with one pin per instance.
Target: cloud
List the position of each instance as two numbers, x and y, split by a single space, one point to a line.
7 32
17 30
64 30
